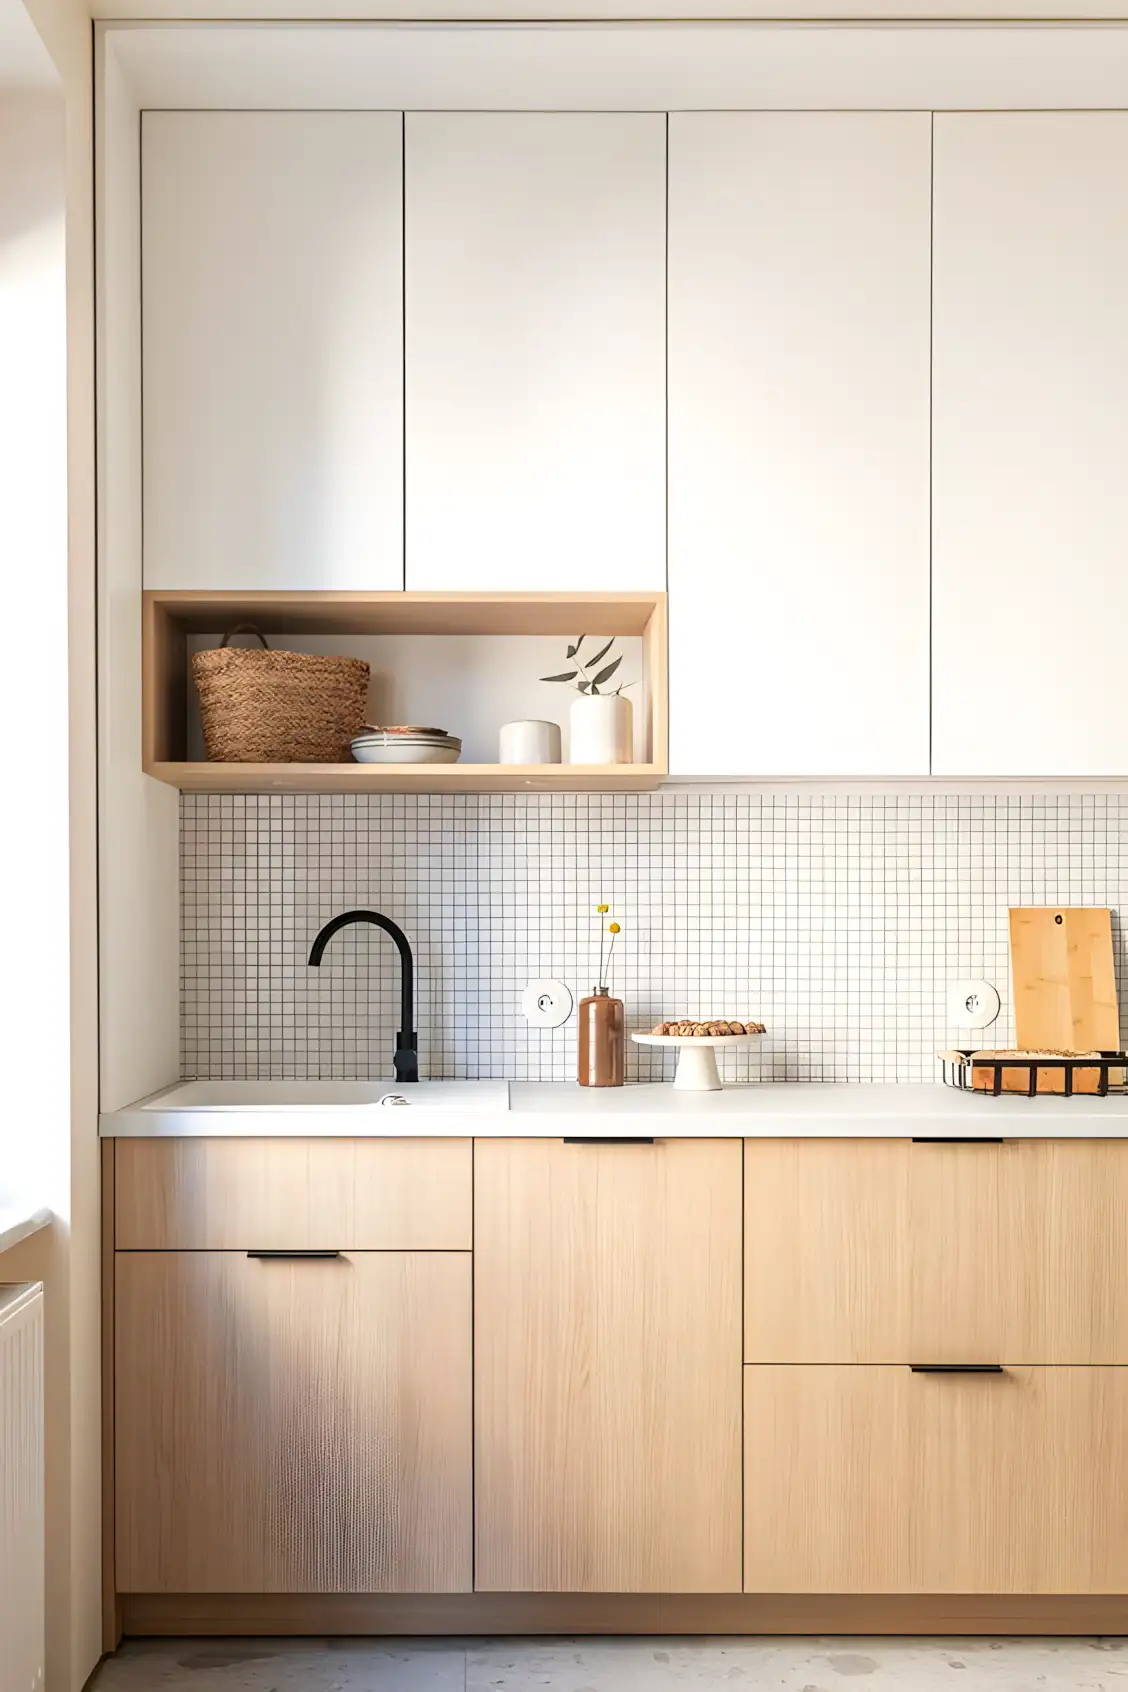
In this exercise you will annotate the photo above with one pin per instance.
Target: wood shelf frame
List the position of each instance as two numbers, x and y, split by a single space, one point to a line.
170 616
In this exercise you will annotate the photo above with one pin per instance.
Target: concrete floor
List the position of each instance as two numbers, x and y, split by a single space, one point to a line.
619 1665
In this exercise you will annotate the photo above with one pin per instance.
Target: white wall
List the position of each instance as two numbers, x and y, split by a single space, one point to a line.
33 695
47 849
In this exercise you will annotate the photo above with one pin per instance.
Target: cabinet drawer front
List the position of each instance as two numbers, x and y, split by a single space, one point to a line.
333 1195
293 1426
878 1479
886 1251
871 1251
1064 1251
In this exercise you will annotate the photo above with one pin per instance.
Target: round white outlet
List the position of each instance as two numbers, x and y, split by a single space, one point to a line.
546 1004
973 1004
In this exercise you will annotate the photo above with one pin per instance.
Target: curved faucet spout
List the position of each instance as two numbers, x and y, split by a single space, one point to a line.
406 1055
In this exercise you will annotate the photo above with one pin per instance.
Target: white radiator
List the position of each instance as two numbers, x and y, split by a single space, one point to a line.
21 1489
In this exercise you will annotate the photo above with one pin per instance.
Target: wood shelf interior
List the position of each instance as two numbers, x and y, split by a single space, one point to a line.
466 662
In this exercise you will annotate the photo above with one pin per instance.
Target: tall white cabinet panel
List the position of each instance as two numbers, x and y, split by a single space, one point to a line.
272 267
799 417
535 367
1030 450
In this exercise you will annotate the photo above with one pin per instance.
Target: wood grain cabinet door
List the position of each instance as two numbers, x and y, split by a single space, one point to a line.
188 1194
872 1251
293 1425
1064 1251
880 1479
889 1251
607 1366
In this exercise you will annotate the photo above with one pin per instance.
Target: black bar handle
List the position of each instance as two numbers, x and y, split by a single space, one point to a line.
285 1256
957 1368
608 1140
957 1139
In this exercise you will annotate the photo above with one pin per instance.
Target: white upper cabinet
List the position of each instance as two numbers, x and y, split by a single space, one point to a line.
799 443
272 269
535 368
1030 447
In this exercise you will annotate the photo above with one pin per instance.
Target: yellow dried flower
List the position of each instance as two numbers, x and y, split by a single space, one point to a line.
613 928
602 909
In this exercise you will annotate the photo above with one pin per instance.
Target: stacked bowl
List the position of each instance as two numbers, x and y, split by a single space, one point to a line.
406 744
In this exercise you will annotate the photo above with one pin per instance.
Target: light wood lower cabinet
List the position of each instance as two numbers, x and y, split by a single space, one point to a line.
607 1365
878 1479
293 1425
886 1251
252 1194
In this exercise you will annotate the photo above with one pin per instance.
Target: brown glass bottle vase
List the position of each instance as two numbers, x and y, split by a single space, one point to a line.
602 1042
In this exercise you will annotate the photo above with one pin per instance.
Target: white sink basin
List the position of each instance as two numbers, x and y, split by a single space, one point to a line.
467 1097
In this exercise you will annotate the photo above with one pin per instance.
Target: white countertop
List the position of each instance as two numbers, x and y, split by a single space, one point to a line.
18 1220
785 1110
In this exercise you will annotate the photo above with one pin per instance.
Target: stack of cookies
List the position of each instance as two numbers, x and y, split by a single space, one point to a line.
703 1030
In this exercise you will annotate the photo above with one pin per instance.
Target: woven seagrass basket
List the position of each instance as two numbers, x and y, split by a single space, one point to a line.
270 707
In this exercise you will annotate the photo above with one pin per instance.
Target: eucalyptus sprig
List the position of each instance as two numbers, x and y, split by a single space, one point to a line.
580 679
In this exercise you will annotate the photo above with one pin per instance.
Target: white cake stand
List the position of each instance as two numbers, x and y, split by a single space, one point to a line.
697 1060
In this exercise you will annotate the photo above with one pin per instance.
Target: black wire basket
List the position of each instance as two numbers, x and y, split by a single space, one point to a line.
957 1070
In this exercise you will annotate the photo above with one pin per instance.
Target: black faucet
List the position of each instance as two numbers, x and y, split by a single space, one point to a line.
406 1058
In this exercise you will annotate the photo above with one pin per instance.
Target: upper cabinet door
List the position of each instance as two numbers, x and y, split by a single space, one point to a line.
272 256
535 350
1030 447
799 420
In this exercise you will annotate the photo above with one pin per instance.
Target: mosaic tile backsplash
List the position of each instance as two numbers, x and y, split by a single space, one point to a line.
839 921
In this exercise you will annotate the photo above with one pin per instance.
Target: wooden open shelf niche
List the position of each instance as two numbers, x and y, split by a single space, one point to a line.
170 617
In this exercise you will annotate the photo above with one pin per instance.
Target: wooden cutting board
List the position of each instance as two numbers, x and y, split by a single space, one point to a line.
1064 985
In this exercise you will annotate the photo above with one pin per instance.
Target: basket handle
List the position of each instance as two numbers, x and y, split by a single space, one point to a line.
244 628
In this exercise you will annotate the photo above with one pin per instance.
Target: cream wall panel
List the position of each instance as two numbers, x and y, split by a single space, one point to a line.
585 65
535 445
799 429
138 905
273 349
1030 515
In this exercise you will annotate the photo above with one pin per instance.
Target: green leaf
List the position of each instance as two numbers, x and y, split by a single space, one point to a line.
606 674
571 652
603 651
576 648
569 675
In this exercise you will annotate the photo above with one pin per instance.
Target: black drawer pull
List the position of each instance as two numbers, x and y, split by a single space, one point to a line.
607 1140
957 1139
285 1256
957 1368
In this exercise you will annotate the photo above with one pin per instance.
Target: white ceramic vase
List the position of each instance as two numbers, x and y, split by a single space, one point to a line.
602 731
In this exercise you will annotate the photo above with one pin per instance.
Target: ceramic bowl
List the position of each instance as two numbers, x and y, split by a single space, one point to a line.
406 749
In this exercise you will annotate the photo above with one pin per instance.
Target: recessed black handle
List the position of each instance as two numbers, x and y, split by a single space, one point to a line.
608 1140
270 1256
957 1368
957 1139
